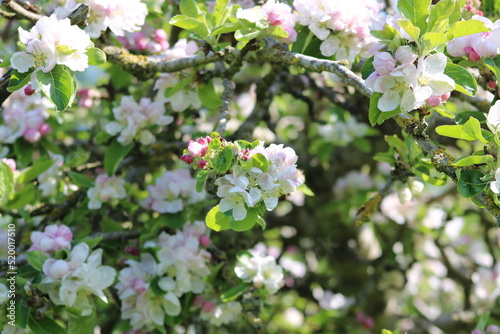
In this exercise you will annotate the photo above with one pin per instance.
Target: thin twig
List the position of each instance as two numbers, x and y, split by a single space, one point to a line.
20 12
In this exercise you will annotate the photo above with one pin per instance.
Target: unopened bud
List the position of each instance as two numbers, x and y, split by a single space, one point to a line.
28 90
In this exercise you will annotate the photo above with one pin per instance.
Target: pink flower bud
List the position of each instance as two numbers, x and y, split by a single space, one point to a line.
187 159
45 129
207 307
160 36
472 54
445 97
433 101
476 331
492 84
32 135
56 269
492 329
201 164
28 90
198 301
204 240
11 163
197 149
275 19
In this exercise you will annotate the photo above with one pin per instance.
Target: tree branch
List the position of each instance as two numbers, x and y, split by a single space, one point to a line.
20 12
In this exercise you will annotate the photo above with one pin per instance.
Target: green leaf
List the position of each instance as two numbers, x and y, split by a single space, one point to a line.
83 324
96 56
440 12
22 313
413 31
260 161
81 180
6 182
44 326
5 63
234 292
191 24
464 81
208 97
114 155
305 190
223 161
40 166
201 177
217 220
432 40
23 151
76 158
261 222
189 8
23 197
470 183
59 85
473 129
443 112
463 117
247 223
423 173
416 11
156 287
397 144
473 160
64 50
36 259
93 242
464 28
367 68
18 80
221 11
226 28
178 87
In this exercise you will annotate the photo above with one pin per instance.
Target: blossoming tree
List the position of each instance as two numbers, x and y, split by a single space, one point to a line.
230 166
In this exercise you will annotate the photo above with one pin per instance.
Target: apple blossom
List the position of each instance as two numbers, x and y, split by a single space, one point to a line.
493 119
134 120
119 16
172 191
262 271
222 314
52 239
106 188
49 42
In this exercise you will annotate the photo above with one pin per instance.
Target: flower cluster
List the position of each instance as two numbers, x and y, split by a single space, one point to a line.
24 116
70 281
134 120
261 271
341 25
402 83
117 15
480 45
52 239
271 13
151 289
142 42
252 177
106 188
51 42
172 191
220 314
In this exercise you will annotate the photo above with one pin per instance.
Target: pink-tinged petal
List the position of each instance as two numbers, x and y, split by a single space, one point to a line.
493 117
384 84
436 63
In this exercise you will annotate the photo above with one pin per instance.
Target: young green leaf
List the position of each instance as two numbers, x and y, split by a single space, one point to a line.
36 259
41 165
114 155
470 183
96 56
416 11
59 85
217 220
235 292
6 182
464 81
18 80
473 160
